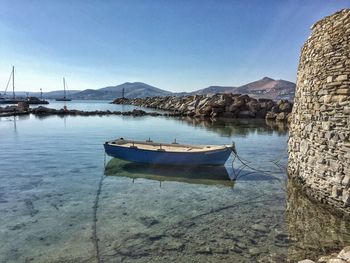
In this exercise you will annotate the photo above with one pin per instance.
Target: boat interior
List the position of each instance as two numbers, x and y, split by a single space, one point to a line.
168 147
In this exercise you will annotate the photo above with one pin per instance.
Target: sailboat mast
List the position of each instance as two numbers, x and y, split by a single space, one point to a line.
13 81
64 88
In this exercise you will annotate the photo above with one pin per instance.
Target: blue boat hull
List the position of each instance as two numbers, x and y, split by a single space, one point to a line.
218 157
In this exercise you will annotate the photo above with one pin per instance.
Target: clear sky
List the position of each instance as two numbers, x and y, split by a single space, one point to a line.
177 45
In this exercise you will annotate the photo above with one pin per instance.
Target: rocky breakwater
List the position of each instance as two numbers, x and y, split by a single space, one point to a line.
44 111
319 143
218 105
21 108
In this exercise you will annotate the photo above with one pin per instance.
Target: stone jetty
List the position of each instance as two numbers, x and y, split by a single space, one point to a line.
217 105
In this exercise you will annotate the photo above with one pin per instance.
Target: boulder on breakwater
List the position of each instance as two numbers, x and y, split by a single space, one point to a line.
342 257
217 105
12 110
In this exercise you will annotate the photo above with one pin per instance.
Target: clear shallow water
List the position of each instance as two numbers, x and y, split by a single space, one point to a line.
50 173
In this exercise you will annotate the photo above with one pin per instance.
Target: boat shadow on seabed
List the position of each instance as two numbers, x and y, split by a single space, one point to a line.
207 175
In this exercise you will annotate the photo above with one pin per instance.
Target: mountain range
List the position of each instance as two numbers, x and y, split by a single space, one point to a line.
263 88
131 90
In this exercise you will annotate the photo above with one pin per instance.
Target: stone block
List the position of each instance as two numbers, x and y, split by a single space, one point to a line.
343 91
231 108
346 179
336 260
304 147
329 79
346 197
281 116
347 110
345 254
339 98
323 108
270 115
341 78
326 125
336 191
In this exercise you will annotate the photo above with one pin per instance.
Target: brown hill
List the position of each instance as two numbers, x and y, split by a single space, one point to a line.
263 88
269 88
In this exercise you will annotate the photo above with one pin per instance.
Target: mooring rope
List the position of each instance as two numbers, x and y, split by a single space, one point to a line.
95 238
245 163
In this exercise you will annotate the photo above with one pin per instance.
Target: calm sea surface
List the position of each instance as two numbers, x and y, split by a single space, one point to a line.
63 200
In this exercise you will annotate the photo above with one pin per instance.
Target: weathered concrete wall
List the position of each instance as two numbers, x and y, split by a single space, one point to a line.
319 147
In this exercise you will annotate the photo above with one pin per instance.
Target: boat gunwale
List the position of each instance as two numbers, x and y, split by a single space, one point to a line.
202 148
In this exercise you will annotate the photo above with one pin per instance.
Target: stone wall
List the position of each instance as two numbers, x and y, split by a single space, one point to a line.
319 147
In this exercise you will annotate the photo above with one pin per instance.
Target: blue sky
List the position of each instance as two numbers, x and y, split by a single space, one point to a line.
178 45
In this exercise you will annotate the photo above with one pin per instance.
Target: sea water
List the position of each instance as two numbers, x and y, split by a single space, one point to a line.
63 200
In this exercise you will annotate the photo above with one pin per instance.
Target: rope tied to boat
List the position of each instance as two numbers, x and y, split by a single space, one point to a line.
94 237
245 164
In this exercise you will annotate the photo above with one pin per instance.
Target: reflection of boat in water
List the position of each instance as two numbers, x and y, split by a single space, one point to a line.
209 175
170 154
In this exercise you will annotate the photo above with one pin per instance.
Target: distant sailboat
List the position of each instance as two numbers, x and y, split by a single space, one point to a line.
64 92
14 100
5 100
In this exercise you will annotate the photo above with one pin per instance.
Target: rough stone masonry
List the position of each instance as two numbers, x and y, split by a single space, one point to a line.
319 147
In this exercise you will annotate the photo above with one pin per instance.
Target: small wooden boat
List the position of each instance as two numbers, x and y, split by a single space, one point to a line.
168 153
